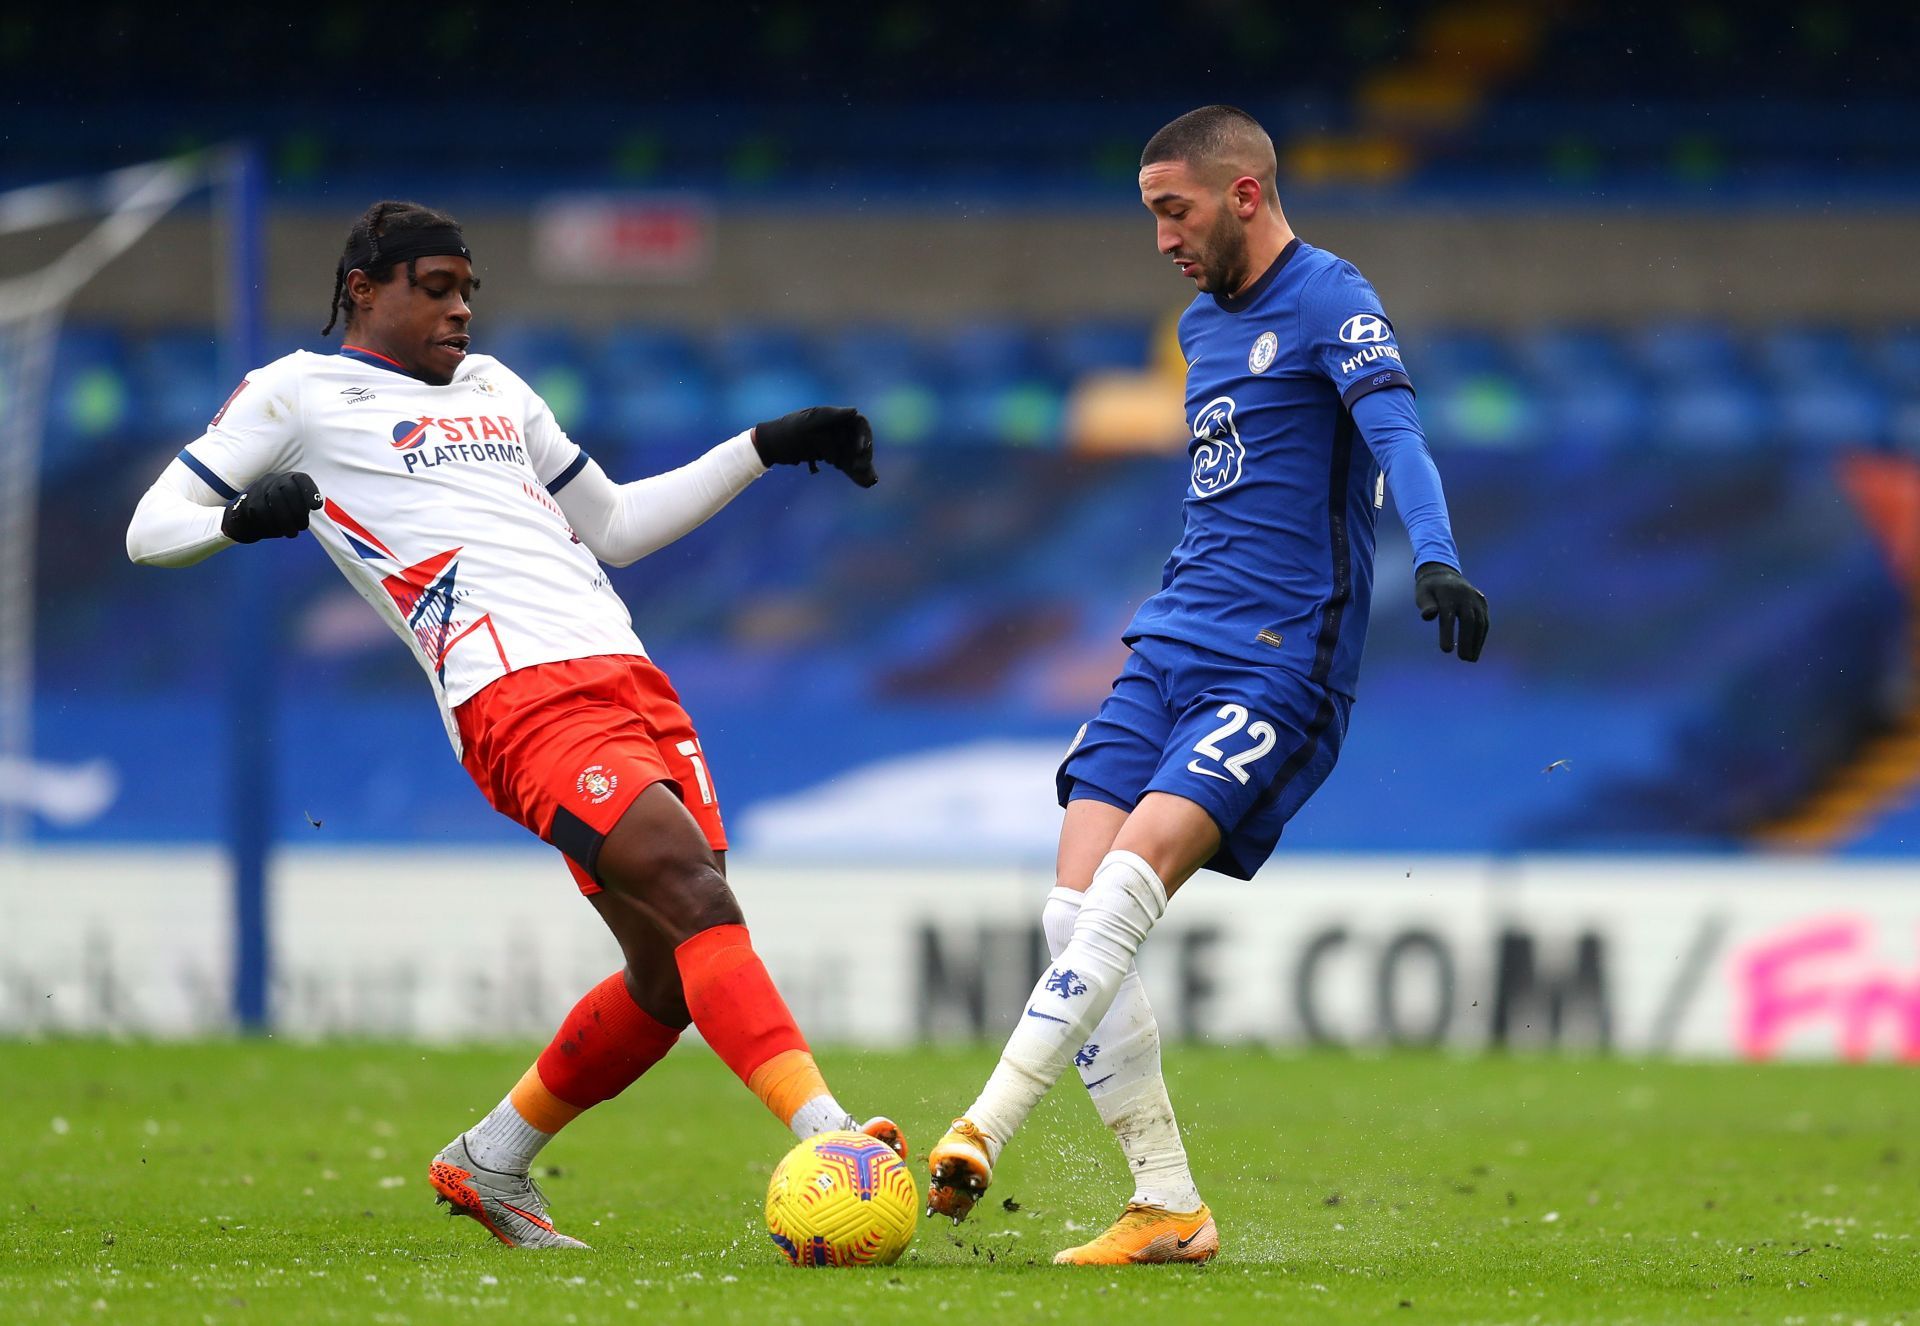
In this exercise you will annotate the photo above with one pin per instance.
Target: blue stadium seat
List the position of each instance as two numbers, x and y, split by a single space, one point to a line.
993 352
1685 351
658 390
767 393
888 374
92 399
874 352
645 350
1483 409
1589 395
1835 410
1098 345
1895 833
1469 393
1798 353
1903 426
283 338
1710 413
740 351
1895 356
180 384
999 389
1603 411
1447 354
763 371
551 361
1562 355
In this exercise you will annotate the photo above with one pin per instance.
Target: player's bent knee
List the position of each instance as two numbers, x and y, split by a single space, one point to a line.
681 894
699 900
1173 835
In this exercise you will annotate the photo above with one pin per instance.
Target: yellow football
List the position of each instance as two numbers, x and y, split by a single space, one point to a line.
842 1199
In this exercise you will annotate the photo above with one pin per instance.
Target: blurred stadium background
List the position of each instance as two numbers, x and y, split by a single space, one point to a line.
1654 278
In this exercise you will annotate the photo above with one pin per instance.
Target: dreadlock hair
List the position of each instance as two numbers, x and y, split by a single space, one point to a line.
384 220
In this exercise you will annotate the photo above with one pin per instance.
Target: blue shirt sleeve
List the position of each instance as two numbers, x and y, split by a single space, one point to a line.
1345 334
1387 421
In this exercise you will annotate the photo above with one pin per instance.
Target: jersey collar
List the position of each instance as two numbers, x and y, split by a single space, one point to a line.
361 355
1241 302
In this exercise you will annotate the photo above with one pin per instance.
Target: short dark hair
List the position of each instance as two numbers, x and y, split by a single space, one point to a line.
384 220
1209 134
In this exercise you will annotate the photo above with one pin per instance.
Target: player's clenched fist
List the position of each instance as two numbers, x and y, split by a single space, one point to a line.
832 434
277 506
1440 591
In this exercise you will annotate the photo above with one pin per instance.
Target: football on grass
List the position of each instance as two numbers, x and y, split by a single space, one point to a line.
842 1199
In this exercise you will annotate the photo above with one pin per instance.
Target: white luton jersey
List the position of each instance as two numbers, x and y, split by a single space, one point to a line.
438 509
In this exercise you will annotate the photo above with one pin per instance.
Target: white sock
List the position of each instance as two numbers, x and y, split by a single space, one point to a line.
1120 1064
504 1142
822 1114
1124 901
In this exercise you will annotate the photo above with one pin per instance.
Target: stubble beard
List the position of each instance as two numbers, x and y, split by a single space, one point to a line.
1227 258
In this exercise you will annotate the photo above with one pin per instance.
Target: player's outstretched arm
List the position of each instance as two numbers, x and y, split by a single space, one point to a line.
1387 421
621 523
181 519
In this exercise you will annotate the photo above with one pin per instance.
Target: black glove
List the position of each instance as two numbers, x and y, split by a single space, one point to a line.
277 506
1440 591
832 433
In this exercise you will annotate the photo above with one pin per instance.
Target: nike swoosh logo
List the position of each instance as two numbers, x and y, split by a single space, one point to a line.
1193 766
1048 1016
528 1215
1182 1243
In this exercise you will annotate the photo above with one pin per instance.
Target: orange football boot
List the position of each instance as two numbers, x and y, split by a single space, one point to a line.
958 1171
1148 1234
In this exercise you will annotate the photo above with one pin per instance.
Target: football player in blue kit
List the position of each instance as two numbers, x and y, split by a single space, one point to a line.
1232 707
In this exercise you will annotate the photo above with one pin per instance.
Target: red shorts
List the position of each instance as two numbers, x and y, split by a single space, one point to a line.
564 748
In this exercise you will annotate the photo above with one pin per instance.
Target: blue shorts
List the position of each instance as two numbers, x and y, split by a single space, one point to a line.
1247 744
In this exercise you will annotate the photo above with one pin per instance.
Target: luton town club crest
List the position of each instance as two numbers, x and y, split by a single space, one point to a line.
596 783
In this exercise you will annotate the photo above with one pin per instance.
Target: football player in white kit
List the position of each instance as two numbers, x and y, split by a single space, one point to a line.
442 488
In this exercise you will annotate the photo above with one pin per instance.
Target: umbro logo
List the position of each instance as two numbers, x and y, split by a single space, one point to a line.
359 395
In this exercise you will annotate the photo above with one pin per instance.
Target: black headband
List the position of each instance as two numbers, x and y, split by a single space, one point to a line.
434 241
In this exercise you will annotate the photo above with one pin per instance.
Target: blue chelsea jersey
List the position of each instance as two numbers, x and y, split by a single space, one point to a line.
1276 564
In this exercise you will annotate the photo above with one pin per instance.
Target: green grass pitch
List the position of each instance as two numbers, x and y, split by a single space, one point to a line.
235 1183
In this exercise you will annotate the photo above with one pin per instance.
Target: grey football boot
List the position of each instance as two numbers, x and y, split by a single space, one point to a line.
511 1206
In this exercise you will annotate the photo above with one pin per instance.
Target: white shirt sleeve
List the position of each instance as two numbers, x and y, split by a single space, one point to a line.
621 523
178 520
556 458
256 432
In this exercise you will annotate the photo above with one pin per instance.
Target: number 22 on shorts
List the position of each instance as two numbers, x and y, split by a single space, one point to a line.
1260 730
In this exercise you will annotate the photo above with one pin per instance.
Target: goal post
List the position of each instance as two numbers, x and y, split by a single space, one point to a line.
250 653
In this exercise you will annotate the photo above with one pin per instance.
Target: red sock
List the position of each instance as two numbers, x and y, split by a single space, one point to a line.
603 1047
744 1019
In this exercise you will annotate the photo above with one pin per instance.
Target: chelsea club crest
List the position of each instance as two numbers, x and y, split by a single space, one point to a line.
1260 358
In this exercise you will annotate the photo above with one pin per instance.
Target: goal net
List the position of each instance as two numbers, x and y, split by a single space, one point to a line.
111 213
